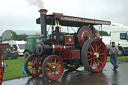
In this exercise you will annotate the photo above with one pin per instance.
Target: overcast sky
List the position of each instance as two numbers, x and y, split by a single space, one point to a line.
21 15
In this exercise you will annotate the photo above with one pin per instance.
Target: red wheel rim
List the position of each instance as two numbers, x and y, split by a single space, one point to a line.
97 55
54 68
34 65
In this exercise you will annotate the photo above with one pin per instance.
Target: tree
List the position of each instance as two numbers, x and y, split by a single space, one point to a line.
22 37
14 35
18 37
65 33
103 33
7 39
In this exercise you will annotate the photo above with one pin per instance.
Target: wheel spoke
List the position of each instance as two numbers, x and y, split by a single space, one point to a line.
90 53
36 70
55 61
47 67
99 50
100 61
30 68
50 72
95 63
51 62
92 47
31 61
98 47
94 44
91 62
100 58
90 59
58 66
37 60
54 73
102 53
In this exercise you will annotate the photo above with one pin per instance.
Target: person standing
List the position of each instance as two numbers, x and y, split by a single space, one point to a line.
113 58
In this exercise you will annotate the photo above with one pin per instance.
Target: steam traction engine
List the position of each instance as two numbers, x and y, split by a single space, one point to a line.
59 51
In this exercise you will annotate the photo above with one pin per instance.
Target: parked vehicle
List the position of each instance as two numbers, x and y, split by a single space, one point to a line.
14 49
119 35
30 44
60 51
19 45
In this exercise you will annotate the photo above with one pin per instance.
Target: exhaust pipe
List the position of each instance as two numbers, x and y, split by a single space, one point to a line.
43 13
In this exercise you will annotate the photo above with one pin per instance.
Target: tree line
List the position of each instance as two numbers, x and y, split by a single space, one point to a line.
17 37
23 36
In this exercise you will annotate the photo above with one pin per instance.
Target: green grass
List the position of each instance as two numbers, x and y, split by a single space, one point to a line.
118 58
14 69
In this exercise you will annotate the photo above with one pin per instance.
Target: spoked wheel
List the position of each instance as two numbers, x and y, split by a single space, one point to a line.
52 67
71 67
33 65
94 55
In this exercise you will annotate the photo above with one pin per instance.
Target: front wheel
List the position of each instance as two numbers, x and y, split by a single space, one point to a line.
94 55
52 67
33 65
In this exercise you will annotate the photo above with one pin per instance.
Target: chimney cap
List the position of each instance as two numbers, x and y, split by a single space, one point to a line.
43 11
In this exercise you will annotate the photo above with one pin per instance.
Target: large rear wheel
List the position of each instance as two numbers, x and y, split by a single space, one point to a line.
33 65
52 67
94 55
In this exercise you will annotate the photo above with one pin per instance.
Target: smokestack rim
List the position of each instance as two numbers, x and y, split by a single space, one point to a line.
43 11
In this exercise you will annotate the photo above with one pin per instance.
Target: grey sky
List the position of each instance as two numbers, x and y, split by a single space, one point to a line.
21 15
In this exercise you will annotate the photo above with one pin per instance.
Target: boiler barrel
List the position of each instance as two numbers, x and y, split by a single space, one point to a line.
48 49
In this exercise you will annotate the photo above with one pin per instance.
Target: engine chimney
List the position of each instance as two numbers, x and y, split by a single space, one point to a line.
43 13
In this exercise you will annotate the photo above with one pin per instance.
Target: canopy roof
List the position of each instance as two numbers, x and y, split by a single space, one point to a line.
72 21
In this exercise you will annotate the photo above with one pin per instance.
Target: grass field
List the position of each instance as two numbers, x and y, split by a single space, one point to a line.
14 69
